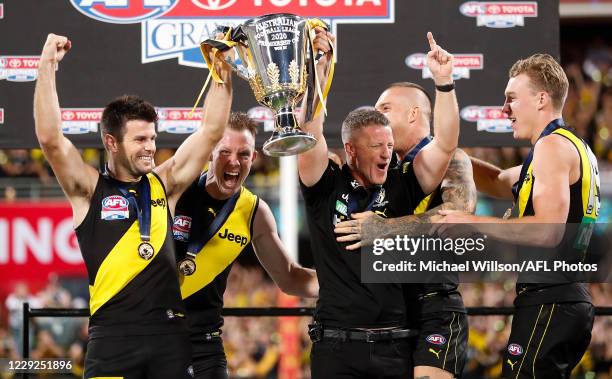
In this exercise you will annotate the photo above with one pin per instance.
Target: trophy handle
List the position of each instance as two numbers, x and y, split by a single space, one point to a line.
234 38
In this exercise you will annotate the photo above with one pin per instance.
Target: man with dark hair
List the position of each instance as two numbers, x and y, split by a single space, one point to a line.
216 220
122 222
436 308
557 185
360 328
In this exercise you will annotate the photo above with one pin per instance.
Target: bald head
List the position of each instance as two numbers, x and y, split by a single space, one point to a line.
408 108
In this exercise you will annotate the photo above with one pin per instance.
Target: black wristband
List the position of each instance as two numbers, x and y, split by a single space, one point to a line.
446 87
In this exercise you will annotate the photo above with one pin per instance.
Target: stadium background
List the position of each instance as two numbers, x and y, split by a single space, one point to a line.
39 258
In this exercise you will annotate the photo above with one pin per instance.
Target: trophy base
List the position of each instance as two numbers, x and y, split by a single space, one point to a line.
288 143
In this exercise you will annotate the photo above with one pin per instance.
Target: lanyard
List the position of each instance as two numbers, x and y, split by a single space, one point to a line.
550 128
142 205
415 150
196 244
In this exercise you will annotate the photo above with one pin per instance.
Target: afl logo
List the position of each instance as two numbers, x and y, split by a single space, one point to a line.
181 227
214 5
436 339
515 349
123 11
115 208
114 202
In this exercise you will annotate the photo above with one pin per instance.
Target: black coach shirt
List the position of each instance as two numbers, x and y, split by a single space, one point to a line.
344 301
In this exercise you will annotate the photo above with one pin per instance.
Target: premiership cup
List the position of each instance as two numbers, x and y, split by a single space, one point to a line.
274 57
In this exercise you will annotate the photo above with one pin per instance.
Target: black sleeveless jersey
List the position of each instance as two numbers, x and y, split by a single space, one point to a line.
203 291
582 214
129 295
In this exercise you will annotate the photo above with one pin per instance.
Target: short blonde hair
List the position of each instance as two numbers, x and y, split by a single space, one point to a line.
545 74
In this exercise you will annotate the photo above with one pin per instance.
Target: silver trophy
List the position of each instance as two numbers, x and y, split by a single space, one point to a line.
274 53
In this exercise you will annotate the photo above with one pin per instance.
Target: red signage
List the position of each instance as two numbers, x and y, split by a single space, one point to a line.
37 239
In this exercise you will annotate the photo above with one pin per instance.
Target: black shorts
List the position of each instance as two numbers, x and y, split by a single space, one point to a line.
548 340
208 358
159 356
442 341
333 358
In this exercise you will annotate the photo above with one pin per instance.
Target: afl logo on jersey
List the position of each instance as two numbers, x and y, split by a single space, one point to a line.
181 227
515 349
115 208
436 339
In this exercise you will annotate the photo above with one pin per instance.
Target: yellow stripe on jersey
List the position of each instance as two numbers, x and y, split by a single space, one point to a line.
218 253
525 192
588 175
425 203
123 263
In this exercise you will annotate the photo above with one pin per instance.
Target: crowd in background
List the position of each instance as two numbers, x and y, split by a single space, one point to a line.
253 344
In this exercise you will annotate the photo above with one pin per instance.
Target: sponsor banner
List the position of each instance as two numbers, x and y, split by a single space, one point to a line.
123 11
463 64
1 116
178 33
37 239
15 68
487 118
174 28
1 11
178 120
500 14
80 120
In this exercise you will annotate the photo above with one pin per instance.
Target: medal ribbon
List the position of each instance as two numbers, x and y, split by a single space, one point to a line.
196 244
551 127
415 150
217 47
310 25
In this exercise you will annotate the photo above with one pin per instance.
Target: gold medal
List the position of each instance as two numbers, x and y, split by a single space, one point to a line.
146 251
187 266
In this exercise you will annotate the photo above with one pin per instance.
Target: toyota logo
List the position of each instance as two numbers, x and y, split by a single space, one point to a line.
214 5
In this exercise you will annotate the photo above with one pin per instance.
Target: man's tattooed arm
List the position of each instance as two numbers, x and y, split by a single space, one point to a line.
458 193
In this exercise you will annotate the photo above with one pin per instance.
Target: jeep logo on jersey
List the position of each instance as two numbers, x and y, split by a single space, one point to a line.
499 14
226 234
515 349
487 118
123 11
436 339
115 208
178 32
463 63
181 227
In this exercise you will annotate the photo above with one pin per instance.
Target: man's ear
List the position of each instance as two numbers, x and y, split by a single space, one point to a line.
111 143
414 114
543 100
254 155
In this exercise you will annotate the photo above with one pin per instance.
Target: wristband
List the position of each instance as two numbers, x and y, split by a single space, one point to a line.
446 87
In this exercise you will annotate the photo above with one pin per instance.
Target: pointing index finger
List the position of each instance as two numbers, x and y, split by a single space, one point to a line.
431 40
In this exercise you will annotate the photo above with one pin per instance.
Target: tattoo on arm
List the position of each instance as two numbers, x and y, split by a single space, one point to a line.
458 193
458 188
